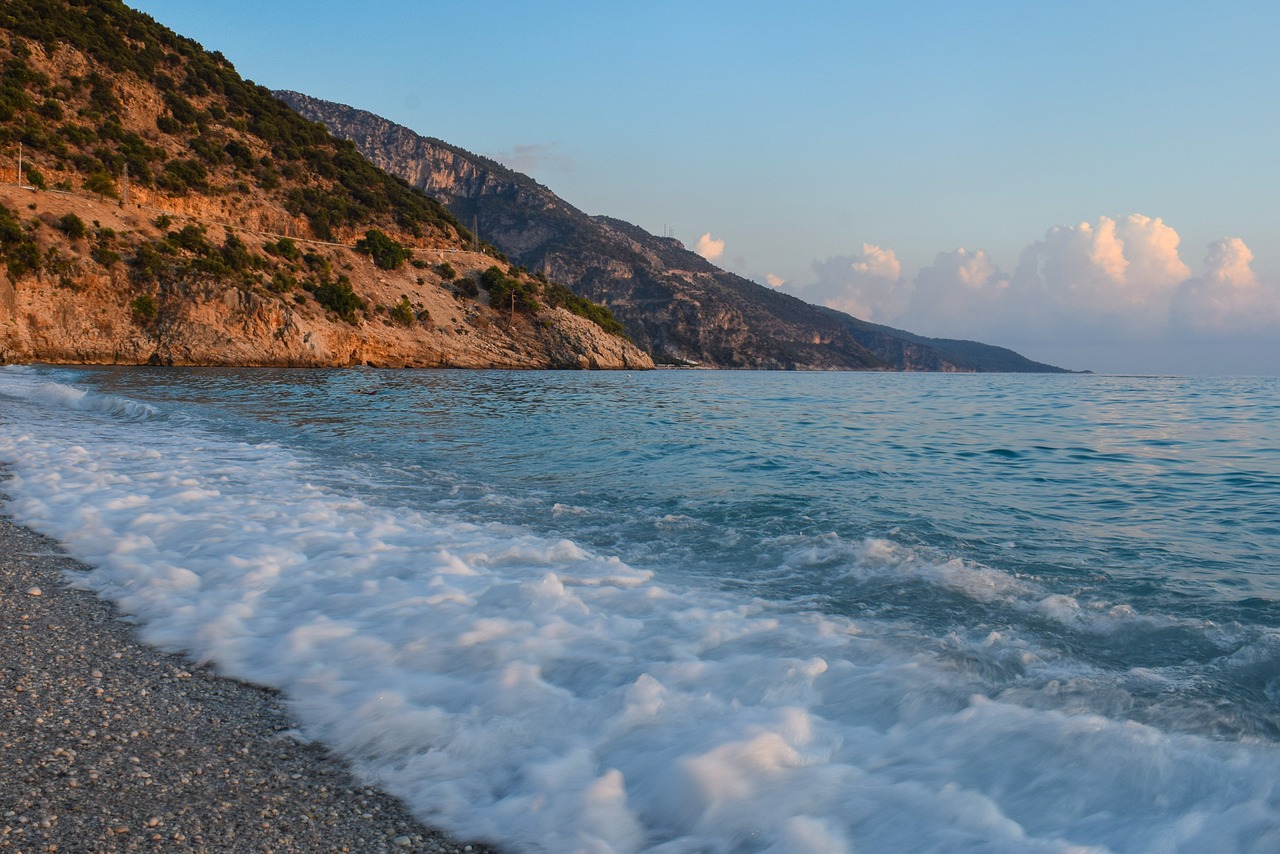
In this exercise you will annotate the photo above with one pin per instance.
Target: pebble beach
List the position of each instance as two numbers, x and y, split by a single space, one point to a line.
109 745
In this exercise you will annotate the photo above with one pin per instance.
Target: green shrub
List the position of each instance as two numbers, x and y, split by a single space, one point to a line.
148 263
191 238
235 254
102 184
387 254
513 295
446 271
58 266
559 295
72 226
35 178
104 256
143 308
402 312
179 176
19 252
284 248
317 263
339 298
282 282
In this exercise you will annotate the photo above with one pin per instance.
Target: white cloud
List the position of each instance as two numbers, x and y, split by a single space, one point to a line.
775 281
1103 279
961 295
1227 263
1228 299
1151 249
867 285
877 263
1094 290
708 247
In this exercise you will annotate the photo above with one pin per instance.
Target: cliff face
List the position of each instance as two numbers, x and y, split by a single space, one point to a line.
672 301
164 210
84 312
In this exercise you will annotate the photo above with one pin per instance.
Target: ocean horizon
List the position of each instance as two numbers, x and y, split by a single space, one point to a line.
706 611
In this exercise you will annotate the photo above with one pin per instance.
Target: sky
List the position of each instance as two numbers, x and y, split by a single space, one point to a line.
1093 184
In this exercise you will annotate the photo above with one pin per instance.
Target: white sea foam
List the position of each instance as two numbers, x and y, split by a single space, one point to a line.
22 383
530 691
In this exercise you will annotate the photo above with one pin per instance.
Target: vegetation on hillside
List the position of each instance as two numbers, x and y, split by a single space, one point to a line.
19 252
558 295
151 109
217 133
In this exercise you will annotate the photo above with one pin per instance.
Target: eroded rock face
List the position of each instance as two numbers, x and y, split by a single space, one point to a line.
672 301
85 316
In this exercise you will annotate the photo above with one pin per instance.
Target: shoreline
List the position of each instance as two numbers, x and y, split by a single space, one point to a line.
107 744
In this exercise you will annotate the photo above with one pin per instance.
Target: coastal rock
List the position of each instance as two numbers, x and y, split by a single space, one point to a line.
86 318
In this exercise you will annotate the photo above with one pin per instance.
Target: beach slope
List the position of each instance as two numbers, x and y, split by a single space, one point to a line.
109 745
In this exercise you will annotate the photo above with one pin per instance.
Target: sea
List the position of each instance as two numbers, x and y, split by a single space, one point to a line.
701 611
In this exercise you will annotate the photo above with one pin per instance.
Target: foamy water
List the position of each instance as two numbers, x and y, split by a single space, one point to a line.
710 612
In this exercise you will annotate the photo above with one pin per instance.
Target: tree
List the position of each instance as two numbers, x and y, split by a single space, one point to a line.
102 184
387 253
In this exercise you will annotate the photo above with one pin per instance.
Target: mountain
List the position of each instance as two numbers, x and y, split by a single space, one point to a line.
671 301
165 210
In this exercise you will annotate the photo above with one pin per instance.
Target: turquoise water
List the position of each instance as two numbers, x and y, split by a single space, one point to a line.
774 612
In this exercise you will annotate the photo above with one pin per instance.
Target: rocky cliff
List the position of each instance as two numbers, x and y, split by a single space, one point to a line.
157 208
80 311
672 301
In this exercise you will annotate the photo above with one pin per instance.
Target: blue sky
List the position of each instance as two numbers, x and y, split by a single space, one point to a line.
1109 169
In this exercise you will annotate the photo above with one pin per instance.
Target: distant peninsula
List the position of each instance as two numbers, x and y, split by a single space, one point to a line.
674 303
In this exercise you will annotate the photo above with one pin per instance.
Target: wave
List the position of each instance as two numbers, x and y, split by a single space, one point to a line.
23 383
526 689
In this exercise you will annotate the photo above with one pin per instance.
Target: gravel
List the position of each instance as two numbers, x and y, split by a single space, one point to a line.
109 745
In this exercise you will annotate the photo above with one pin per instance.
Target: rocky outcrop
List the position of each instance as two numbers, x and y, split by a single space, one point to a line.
165 210
85 316
673 302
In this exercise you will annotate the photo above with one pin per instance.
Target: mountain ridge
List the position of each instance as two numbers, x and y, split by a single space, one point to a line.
672 301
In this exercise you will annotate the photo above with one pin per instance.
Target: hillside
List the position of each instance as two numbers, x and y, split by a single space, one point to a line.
157 207
671 300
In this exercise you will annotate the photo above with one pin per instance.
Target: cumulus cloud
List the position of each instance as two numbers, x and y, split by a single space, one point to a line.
1227 298
1106 278
1097 287
1228 263
708 247
775 281
960 295
867 284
